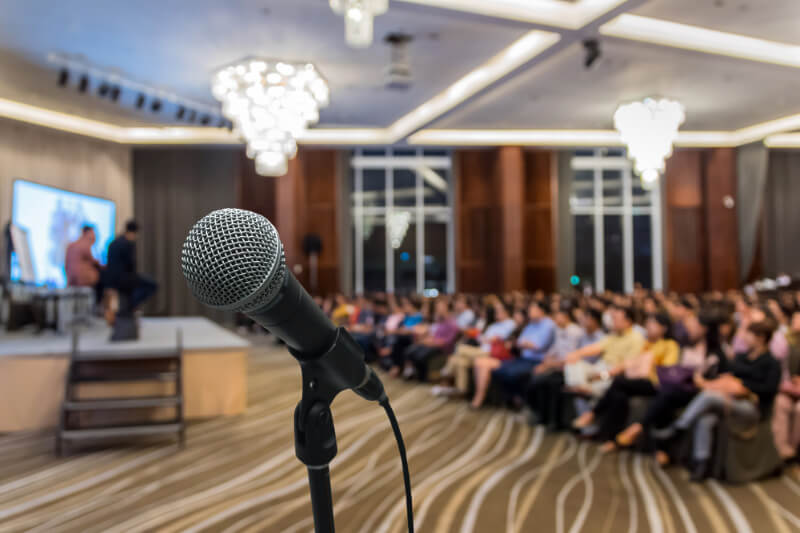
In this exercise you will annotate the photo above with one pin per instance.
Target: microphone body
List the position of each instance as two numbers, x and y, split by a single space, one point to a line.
233 260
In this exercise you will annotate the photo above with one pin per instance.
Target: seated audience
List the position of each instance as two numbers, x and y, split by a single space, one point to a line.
624 342
635 377
465 316
786 415
675 386
459 365
533 342
438 339
744 395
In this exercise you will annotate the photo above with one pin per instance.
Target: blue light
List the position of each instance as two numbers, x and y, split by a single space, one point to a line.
404 256
574 280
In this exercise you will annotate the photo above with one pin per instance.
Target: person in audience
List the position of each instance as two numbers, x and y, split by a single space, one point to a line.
82 269
386 336
465 316
634 377
786 415
439 339
568 334
592 378
411 327
592 325
363 325
675 387
342 310
679 311
744 394
121 271
460 364
533 342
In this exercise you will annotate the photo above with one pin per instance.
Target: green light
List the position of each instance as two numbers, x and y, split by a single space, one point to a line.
575 280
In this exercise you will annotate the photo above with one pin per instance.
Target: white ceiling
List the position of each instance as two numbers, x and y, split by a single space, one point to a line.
719 93
775 20
176 45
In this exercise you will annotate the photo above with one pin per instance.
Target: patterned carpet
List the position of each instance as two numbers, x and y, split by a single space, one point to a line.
472 472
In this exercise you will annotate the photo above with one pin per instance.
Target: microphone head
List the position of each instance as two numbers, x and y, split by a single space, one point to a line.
233 260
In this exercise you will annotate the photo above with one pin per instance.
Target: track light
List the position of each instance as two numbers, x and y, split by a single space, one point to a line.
115 92
155 107
63 77
593 53
181 112
205 120
83 84
102 91
140 101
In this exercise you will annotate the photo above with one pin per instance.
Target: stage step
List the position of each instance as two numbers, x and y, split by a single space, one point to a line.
121 431
125 375
122 403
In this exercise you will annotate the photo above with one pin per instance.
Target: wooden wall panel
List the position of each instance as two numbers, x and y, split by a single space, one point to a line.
477 220
720 221
504 211
540 204
303 201
701 246
685 249
510 178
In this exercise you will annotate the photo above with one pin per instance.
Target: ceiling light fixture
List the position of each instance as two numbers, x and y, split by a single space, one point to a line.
271 103
648 129
358 17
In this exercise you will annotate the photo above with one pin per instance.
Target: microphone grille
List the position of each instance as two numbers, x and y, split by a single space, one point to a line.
233 259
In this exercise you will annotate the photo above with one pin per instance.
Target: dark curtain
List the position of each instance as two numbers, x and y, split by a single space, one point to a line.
173 188
751 176
782 214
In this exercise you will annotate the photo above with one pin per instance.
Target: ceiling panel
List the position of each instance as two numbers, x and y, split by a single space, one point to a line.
718 92
177 44
774 20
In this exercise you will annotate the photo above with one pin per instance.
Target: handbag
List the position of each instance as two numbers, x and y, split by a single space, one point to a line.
676 377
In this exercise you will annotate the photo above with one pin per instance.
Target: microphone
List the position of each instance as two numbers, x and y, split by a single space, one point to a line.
233 260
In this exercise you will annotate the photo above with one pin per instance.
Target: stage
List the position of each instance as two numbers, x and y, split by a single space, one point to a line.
33 369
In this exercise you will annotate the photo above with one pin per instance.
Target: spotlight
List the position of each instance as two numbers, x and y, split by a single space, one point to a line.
593 53
180 113
83 84
63 77
192 115
205 120
102 91
155 107
140 101
115 92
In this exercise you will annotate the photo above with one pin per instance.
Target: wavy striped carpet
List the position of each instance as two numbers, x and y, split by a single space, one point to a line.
481 472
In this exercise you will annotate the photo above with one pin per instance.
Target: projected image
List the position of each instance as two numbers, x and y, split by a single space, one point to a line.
52 219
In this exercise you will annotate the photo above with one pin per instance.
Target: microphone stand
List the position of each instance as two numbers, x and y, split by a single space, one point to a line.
314 435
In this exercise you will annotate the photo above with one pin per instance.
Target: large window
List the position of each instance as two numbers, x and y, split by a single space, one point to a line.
402 220
617 223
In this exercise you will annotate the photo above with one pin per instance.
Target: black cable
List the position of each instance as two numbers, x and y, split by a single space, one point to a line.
406 475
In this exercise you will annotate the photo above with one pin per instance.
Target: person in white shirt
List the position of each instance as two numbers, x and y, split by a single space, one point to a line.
465 317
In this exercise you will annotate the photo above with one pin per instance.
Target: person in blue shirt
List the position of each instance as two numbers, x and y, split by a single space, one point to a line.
532 344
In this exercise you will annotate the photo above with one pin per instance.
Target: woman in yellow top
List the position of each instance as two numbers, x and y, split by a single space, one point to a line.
636 377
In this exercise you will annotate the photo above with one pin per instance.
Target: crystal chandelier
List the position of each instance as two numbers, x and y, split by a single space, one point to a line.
398 227
648 129
270 103
358 15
